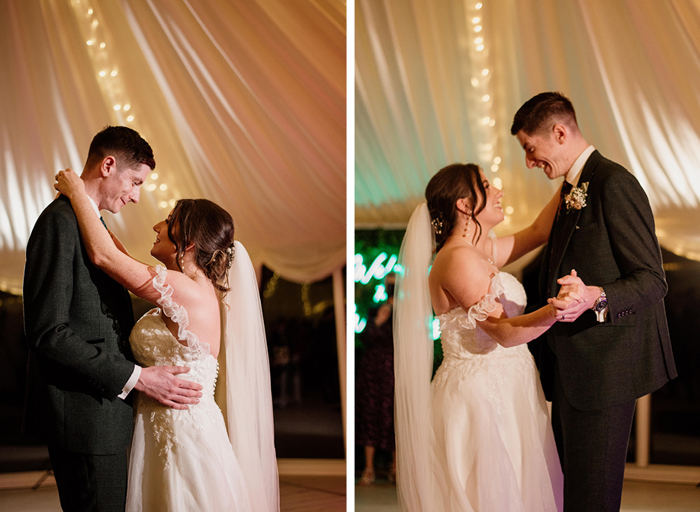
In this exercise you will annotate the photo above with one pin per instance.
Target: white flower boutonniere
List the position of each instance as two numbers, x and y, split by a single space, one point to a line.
576 199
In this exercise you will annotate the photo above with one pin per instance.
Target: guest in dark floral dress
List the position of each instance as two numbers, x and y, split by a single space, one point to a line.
374 395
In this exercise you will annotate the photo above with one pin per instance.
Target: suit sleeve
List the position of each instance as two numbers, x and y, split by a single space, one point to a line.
630 225
52 256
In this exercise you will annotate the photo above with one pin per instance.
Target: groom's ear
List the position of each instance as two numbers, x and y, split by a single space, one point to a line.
108 166
560 133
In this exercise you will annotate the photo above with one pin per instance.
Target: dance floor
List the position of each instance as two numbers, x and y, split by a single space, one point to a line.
36 492
636 497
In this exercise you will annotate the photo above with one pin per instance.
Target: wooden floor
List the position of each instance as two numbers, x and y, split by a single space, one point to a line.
311 493
636 497
36 492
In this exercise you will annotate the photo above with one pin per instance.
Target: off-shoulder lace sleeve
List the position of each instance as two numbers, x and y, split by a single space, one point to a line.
480 311
175 312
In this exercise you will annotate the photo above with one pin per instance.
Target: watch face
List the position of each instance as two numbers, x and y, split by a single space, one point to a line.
601 304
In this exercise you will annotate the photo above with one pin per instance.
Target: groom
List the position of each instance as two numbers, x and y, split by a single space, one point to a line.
77 322
614 346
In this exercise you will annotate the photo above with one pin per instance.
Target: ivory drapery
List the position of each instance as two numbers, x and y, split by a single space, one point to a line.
439 82
242 102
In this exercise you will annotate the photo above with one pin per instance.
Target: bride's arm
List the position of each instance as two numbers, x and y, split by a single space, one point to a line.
158 382
118 243
512 247
102 250
466 278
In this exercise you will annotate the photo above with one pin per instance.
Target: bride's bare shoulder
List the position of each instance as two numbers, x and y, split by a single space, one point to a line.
457 258
460 274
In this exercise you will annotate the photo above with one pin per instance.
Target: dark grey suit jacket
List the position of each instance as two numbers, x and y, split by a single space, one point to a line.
77 322
611 243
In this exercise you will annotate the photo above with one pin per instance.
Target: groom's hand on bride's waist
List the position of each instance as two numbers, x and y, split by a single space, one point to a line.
161 384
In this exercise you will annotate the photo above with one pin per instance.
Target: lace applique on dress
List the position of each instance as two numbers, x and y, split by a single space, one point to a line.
494 444
180 460
467 349
154 345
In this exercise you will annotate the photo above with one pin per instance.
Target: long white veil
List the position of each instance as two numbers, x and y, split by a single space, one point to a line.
413 367
247 384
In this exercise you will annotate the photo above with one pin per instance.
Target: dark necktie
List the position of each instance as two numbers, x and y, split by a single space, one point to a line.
103 223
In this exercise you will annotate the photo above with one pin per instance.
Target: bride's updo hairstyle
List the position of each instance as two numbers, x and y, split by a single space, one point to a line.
451 183
210 228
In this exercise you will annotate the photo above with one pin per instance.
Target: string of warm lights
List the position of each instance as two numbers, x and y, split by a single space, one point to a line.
111 84
483 106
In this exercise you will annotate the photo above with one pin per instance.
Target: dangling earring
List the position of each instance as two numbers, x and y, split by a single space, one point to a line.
467 228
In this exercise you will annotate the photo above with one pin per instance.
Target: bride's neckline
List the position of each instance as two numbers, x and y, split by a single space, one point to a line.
482 253
457 243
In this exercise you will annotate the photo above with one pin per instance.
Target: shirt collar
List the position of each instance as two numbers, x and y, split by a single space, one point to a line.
94 205
575 171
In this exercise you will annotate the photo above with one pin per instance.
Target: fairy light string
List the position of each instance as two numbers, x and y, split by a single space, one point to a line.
112 86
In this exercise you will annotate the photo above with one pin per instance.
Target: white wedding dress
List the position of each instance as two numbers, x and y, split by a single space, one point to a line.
494 446
181 460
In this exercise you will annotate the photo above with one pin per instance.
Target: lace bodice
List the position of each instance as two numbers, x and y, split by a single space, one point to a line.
462 338
153 344
469 351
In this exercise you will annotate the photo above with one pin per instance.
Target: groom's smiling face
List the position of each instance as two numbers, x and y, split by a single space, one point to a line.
123 186
547 151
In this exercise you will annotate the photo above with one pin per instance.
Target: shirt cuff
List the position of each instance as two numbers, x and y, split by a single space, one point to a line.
131 383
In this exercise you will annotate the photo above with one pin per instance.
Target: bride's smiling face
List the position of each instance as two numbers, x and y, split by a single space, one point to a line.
164 249
492 214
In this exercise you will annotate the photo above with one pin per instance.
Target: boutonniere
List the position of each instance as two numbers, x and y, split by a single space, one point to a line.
576 199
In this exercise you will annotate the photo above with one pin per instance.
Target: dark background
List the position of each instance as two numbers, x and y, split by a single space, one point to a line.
300 327
675 416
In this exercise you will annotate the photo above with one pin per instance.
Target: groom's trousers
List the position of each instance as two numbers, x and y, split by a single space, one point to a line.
86 482
592 448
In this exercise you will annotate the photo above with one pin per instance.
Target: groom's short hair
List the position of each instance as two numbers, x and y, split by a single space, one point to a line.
125 144
540 113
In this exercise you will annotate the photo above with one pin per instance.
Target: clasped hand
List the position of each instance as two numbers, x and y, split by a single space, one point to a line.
68 183
573 298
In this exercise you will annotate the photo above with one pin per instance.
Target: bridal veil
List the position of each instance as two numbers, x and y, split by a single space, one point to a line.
413 367
248 404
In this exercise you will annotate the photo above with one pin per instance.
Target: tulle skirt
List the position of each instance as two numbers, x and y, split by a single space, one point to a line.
494 445
183 461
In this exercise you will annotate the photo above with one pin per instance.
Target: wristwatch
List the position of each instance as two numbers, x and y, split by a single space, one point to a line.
600 306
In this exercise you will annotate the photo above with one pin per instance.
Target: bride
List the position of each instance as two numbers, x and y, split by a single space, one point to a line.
478 438
184 460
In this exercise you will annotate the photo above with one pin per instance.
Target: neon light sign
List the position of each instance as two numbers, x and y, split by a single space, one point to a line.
377 270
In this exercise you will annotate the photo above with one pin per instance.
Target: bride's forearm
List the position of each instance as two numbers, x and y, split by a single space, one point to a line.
511 332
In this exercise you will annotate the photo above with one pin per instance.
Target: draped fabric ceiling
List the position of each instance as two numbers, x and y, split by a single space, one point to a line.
439 82
242 102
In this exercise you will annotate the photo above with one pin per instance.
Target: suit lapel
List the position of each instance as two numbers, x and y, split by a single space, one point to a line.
564 227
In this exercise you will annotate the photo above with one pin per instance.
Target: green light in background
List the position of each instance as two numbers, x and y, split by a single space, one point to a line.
377 270
360 323
436 329
380 294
